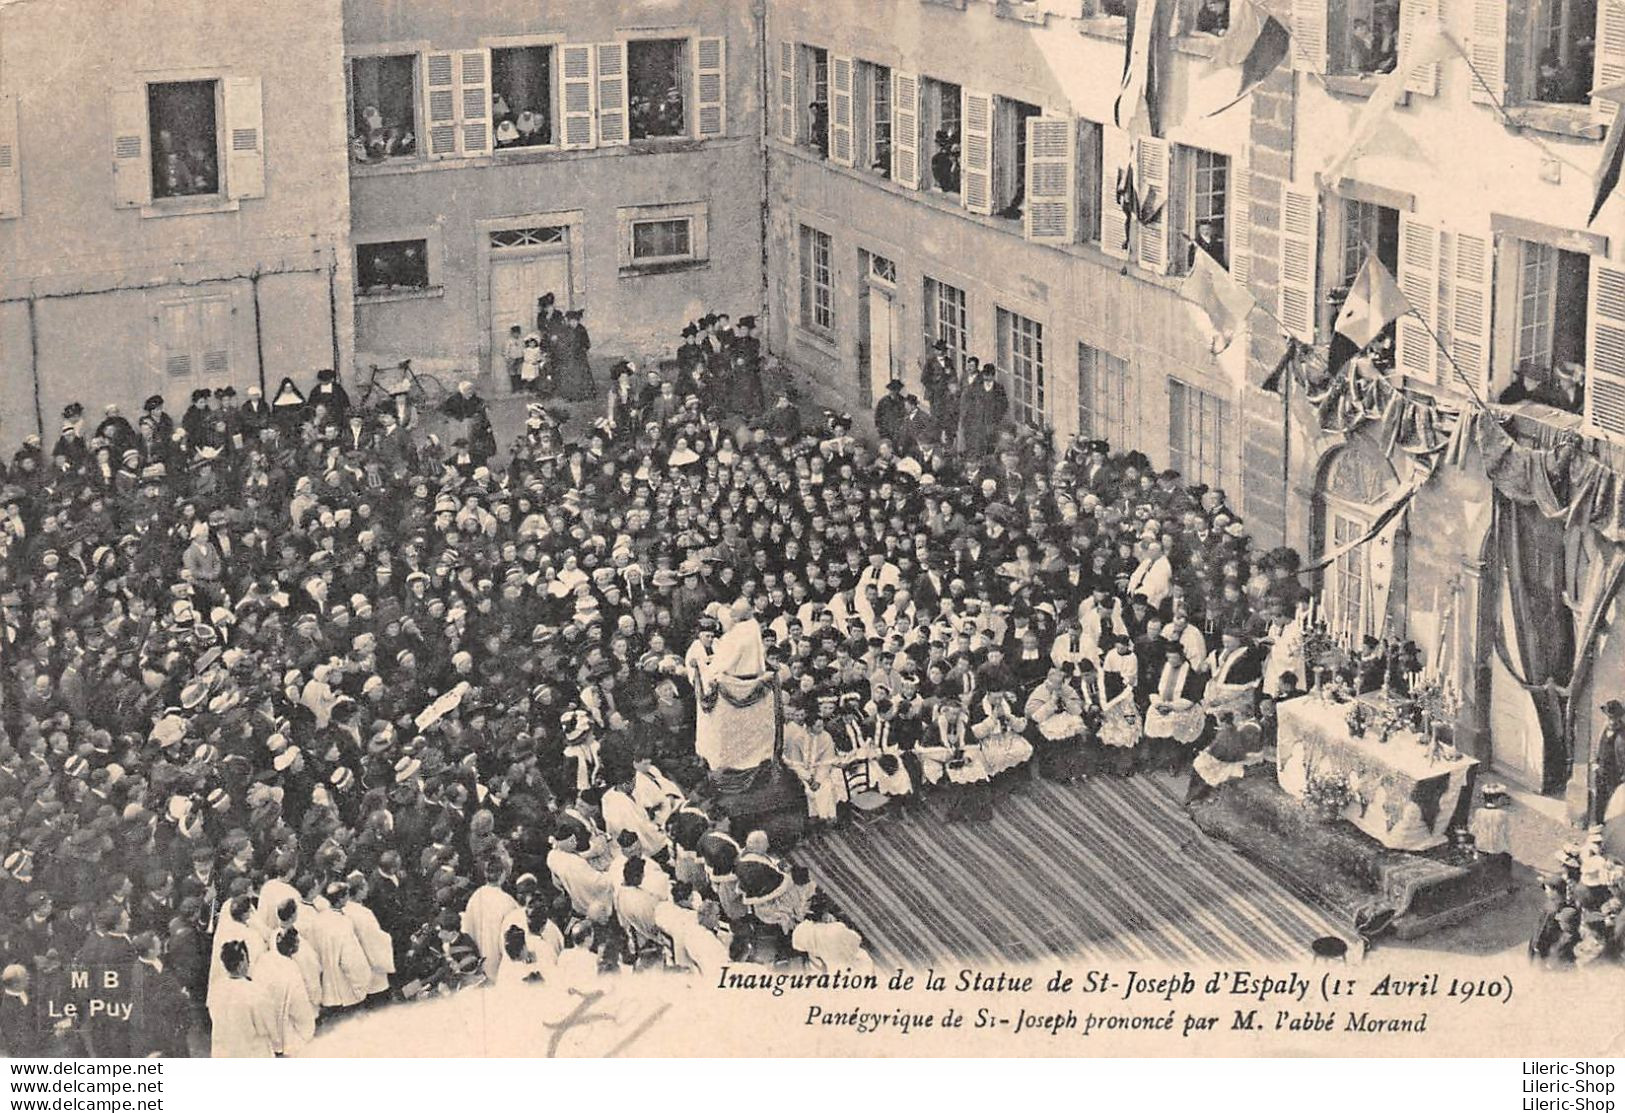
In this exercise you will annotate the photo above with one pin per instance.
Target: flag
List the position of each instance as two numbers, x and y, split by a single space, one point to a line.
1138 108
1374 303
1275 381
1613 152
1254 45
1428 46
1216 299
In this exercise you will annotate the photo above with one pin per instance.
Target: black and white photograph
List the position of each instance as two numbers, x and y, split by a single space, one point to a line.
766 528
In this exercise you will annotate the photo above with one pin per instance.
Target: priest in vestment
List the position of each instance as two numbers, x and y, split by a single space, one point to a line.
483 916
737 725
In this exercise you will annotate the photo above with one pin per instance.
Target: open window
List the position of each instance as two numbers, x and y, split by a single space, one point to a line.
383 115
393 267
1545 292
1201 207
657 80
873 99
1010 156
522 97
939 125
1545 56
1363 36
1558 66
1354 230
183 120
813 107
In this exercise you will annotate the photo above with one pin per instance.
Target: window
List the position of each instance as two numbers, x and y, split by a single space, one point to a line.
939 119
1213 17
882 269
1549 325
1346 614
1199 435
817 281
522 96
527 237
1103 392
662 237
1010 156
1209 213
1363 36
383 96
1563 41
813 82
657 76
660 240
946 320
1021 354
392 266
192 340
1368 228
183 122
874 91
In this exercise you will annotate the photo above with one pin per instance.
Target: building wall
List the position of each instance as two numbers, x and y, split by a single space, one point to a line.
1076 292
96 272
458 201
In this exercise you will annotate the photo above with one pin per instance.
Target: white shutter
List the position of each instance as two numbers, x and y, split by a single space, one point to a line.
1298 304
1605 350
11 167
214 339
1241 221
1151 182
576 99
174 328
906 170
1423 80
976 150
840 110
710 88
1418 278
1609 65
612 95
1052 179
787 92
132 166
1116 153
1309 35
1472 285
1487 51
245 137
440 104
474 101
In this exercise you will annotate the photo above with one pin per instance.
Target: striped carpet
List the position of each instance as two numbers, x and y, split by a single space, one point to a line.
1111 870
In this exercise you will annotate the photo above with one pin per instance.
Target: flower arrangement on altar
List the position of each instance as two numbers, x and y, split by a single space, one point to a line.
1360 719
1329 794
1323 656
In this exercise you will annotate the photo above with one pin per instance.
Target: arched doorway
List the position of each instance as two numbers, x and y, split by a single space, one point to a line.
1356 586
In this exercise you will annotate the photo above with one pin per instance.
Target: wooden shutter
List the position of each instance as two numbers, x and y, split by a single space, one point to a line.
612 95
1052 177
840 110
132 168
905 131
576 96
1605 349
1487 50
1609 65
245 137
1423 80
1116 153
1309 35
1241 221
1155 240
710 88
976 150
787 92
174 329
474 101
1472 285
1298 304
440 103
1414 349
214 338
11 168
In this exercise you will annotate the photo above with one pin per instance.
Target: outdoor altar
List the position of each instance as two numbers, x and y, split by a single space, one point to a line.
1402 788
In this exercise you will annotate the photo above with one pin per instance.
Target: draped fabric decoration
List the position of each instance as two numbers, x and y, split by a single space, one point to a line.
1558 545
739 722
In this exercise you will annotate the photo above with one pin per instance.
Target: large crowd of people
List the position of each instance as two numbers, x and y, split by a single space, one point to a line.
309 706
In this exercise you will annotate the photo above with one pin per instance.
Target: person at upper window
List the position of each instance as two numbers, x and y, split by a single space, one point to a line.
1214 17
1208 238
820 126
945 163
1361 46
1385 40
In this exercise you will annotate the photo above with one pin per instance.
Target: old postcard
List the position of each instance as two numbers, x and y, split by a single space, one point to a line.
759 528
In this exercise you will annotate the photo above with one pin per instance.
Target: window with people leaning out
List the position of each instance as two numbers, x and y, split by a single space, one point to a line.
383 93
391 267
183 122
1363 36
1359 230
812 78
939 118
1544 298
1563 38
1208 17
1010 155
522 96
656 74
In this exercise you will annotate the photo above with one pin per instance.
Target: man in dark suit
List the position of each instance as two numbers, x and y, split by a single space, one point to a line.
1608 765
107 953
889 412
22 1035
161 1012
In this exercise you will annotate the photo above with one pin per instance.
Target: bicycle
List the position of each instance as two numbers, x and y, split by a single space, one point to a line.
423 390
